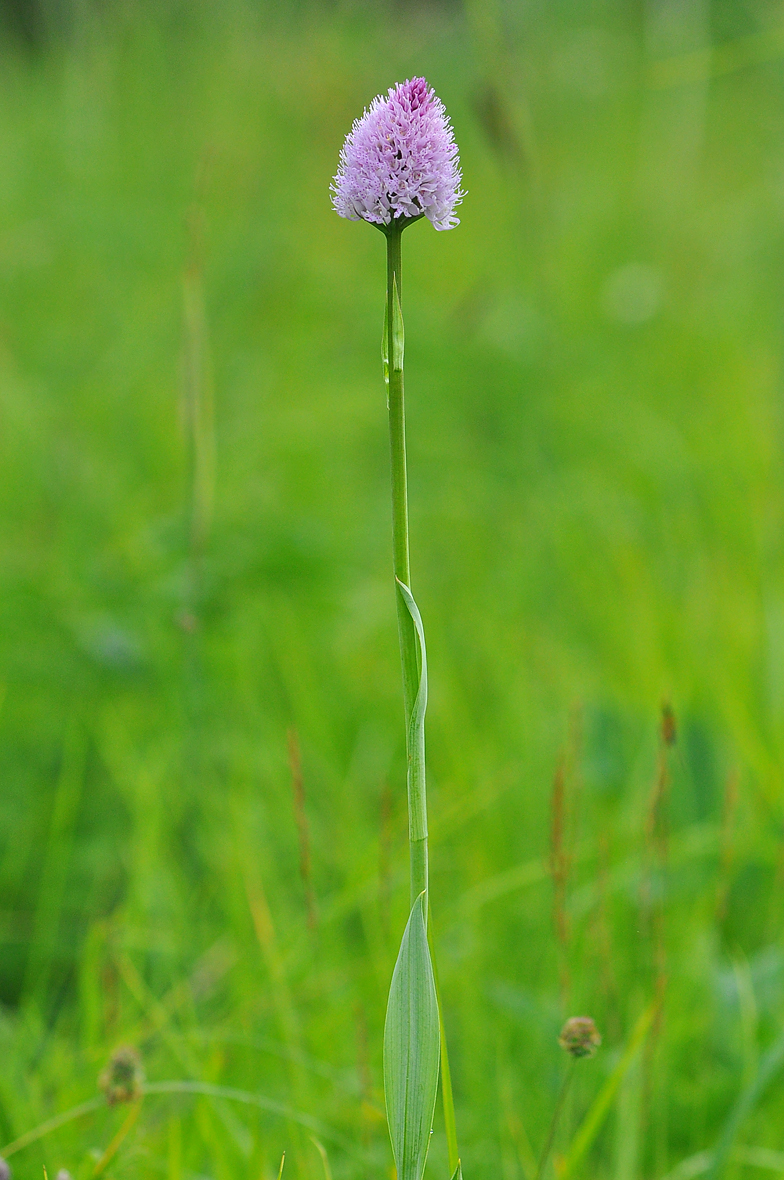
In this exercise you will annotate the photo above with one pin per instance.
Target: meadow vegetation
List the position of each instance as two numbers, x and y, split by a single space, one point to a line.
203 843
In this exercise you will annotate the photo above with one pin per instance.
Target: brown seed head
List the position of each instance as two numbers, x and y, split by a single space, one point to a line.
121 1080
580 1037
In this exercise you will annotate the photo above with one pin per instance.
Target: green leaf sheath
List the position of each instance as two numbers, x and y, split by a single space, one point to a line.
385 351
415 747
412 1049
398 332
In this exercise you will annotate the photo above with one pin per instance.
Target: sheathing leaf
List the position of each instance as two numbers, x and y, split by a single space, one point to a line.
417 810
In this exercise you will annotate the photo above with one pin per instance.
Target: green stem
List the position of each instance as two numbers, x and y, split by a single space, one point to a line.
555 1120
417 804
411 654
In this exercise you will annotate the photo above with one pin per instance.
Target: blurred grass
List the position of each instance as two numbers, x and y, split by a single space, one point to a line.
595 438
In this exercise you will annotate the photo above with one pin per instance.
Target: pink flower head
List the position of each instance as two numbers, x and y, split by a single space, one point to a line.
400 161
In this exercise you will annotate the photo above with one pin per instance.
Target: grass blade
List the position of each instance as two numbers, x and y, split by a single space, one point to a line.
321 1149
53 1124
748 1098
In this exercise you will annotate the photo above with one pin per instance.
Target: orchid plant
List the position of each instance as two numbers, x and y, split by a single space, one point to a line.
399 164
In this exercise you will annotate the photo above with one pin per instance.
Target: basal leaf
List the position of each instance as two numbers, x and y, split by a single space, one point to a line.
411 1049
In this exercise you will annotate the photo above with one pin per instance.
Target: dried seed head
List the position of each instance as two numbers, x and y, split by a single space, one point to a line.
5 1171
580 1037
121 1080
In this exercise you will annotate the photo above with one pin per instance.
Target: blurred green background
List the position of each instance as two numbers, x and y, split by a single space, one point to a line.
202 814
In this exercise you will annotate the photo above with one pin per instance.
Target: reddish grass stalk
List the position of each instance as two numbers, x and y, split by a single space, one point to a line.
385 858
563 812
303 831
657 850
559 871
364 1072
603 940
774 912
727 856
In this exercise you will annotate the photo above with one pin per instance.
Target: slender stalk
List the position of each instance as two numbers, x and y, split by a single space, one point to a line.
411 643
555 1120
409 655
117 1141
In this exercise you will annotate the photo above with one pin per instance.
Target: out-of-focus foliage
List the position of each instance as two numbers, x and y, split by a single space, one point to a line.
198 658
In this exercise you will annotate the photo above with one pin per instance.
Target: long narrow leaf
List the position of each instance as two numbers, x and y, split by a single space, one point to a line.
754 1157
411 1049
770 1065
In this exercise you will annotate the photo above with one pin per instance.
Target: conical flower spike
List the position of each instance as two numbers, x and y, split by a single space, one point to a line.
399 161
